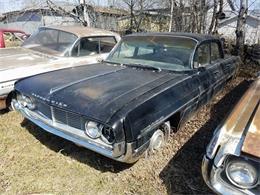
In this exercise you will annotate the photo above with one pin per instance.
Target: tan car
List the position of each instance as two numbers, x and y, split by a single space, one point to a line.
52 48
232 161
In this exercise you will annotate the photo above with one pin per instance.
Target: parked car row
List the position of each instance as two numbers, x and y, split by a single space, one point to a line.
126 105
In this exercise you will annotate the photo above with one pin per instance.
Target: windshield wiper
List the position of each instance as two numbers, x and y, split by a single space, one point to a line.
144 66
135 65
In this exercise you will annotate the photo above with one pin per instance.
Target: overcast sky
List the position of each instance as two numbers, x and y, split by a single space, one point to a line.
10 5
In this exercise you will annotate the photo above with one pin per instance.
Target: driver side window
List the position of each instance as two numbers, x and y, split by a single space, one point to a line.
202 56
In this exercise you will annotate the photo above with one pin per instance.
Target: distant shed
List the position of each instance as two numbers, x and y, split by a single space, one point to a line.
227 28
30 19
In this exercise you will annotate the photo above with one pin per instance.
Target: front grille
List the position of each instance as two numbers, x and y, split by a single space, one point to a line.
75 121
44 109
60 116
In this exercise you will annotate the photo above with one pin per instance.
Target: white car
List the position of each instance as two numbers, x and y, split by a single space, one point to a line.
52 48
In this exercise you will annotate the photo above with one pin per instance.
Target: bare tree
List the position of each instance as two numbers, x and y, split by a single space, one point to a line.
240 30
85 13
171 16
137 10
82 13
203 13
217 16
176 12
130 6
214 17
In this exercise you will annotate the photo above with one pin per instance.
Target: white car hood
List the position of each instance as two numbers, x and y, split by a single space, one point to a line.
11 58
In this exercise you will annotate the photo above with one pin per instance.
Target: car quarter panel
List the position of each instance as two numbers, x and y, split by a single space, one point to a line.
152 108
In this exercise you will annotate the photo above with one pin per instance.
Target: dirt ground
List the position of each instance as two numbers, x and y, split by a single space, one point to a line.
34 162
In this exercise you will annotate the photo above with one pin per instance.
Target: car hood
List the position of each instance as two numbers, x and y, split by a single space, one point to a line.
97 91
20 57
251 144
18 63
240 131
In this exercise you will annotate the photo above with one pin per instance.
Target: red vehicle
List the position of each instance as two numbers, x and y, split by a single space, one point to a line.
11 37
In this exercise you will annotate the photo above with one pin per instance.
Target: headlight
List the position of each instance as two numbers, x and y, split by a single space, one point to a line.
241 173
92 129
25 101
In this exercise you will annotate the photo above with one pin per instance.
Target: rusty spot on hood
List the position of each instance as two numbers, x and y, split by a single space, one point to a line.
238 119
252 140
90 92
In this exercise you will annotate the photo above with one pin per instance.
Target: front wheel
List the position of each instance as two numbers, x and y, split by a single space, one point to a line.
9 102
156 141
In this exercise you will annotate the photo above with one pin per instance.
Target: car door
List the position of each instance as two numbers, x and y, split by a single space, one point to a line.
202 63
216 60
209 73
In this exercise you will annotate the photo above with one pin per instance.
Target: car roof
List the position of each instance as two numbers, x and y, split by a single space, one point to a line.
82 31
197 37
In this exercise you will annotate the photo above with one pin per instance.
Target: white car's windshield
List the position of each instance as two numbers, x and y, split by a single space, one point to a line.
50 40
162 52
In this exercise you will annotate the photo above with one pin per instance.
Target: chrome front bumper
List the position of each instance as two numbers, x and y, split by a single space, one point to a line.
129 155
213 179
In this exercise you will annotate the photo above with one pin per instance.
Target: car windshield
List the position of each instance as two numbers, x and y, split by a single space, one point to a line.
50 41
161 52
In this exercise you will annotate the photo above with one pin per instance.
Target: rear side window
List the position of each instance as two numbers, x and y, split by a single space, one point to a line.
107 44
94 45
89 46
202 56
215 52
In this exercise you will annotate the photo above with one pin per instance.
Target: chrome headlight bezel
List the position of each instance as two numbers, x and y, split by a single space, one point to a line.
25 101
95 130
92 129
245 167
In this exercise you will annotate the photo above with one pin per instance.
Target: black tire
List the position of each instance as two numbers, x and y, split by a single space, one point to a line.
9 101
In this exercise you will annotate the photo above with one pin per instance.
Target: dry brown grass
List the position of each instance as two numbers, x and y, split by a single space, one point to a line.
33 161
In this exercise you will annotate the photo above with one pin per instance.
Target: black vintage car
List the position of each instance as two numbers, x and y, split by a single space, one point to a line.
129 103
